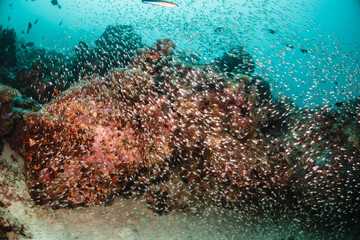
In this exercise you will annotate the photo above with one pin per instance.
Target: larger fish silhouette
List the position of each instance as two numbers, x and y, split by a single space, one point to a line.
160 3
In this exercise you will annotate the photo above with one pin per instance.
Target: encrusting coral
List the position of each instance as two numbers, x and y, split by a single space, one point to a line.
166 128
180 135
108 133
7 94
7 117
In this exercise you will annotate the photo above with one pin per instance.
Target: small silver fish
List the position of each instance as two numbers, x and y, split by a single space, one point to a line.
160 3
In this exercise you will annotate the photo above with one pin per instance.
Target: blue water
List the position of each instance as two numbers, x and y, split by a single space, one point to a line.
328 29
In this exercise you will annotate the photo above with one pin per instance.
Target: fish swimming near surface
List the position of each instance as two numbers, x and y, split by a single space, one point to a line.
29 27
160 3
60 23
36 21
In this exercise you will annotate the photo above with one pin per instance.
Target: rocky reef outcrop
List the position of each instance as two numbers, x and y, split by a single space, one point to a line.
114 49
151 120
236 61
324 153
41 74
143 123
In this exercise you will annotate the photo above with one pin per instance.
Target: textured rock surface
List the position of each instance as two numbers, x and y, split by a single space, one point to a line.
118 132
173 135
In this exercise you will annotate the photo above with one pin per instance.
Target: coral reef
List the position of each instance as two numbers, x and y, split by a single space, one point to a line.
35 72
7 117
95 131
40 82
108 134
324 152
7 94
236 61
181 134
13 109
142 122
41 74
114 49
7 48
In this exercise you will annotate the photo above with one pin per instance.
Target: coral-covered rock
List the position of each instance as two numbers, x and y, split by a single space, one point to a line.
7 94
114 49
7 116
15 137
323 150
26 103
7 123
7 47
154 60
99 134
236 61
125 130
37 82
93 149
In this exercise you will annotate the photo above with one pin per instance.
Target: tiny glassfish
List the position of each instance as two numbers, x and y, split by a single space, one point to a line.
160 3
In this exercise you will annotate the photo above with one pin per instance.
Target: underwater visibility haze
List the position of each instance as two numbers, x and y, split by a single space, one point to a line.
150 119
